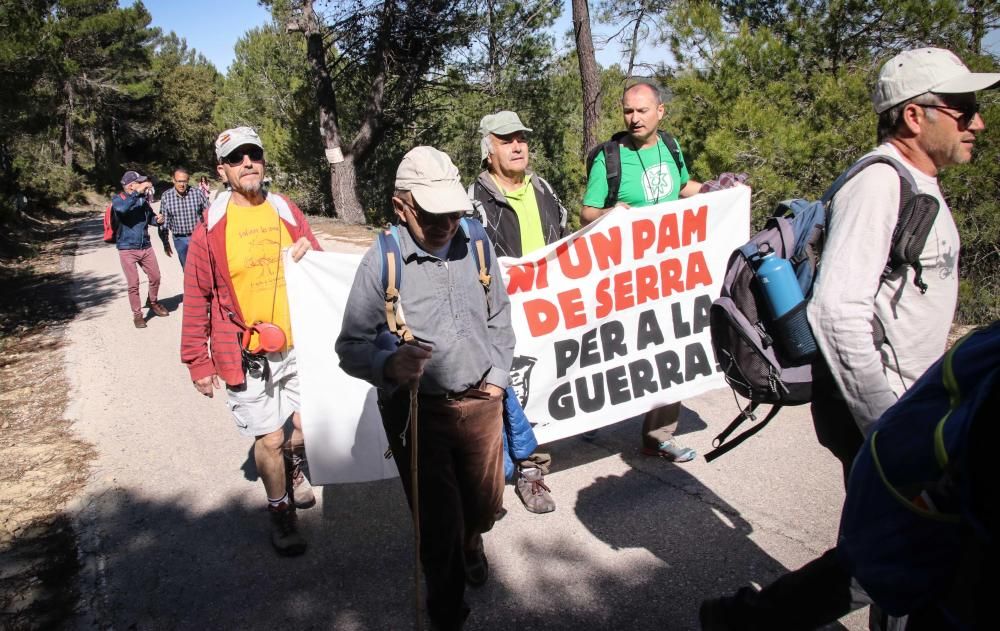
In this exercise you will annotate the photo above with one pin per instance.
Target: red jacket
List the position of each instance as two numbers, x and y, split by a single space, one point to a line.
210 341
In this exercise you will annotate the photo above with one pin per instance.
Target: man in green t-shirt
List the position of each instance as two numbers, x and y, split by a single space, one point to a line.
650 174
521 214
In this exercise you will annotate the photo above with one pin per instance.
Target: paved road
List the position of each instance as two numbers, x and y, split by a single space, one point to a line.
174 535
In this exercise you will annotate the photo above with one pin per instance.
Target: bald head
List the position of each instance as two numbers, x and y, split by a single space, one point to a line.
643 88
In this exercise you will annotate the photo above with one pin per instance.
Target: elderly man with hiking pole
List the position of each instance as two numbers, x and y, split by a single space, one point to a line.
441 383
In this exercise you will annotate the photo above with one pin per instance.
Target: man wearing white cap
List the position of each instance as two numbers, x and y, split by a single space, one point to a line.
460 363
928 120
237 327
521 214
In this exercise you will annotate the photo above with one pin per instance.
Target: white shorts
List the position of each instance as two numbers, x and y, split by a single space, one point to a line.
260 407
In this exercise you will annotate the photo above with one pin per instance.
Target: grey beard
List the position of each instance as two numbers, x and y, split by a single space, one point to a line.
251 191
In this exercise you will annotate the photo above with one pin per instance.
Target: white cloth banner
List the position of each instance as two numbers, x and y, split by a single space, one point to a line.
611 322
343 431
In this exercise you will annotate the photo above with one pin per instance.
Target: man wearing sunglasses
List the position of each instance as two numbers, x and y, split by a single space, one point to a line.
927 120
237 328
460 365
181 208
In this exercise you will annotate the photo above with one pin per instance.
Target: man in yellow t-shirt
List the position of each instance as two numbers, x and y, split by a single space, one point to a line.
521 213
236 324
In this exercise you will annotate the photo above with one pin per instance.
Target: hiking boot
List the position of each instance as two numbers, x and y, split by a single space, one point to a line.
533 491
158 309
296 483
285 535
477 568
671 451
139 322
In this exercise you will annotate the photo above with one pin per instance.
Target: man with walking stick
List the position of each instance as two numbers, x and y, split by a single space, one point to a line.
441 384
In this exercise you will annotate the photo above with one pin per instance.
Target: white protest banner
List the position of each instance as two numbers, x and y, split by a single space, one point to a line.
612 321
343 431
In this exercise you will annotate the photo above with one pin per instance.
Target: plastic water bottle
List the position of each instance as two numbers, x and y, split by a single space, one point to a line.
784 297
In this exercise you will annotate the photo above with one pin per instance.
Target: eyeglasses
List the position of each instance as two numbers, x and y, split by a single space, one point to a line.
427 217
965 114
256 154
183 181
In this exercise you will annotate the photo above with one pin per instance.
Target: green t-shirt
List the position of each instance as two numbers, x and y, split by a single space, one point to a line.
529 219
649 176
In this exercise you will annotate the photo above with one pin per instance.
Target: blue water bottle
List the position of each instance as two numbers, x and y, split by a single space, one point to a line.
787 304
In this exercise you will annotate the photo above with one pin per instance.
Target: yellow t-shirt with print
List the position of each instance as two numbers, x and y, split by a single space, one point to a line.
255 237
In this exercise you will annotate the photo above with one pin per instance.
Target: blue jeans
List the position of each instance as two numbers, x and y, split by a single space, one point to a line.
181 248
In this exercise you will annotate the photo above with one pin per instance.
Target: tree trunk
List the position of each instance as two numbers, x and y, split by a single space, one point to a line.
977 27
345 194
67 148
343 183
589 75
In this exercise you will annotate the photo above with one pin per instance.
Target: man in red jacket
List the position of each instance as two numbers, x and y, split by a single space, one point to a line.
237 328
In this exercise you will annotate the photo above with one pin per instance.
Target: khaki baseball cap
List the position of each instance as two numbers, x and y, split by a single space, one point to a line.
433 180
914 72
233 138
501 124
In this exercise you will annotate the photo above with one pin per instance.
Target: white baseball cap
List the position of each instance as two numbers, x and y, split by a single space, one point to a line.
914 72
234 138
433 180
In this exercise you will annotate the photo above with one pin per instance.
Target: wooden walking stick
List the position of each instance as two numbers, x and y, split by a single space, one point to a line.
415 496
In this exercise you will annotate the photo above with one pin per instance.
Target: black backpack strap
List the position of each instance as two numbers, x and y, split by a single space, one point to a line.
674 148
746 415
612 166
915 218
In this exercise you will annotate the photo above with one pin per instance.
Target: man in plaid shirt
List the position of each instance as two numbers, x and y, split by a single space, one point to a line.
181 209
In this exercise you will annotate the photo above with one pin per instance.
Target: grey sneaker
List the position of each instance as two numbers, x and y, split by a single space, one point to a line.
296 483
533 491
285 535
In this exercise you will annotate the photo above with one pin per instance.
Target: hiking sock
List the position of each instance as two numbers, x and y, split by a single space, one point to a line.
277 502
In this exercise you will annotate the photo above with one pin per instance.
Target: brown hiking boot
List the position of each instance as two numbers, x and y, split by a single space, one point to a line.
296 483
531 488
158 309
285 535
139 322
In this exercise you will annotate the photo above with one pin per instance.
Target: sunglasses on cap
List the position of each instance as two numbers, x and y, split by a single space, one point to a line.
235 158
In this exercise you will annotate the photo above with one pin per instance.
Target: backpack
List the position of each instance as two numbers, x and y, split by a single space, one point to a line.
518 437
392 270
111 223
911 523
747 342
613 161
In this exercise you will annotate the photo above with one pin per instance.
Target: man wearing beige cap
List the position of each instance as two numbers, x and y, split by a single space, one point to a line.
237 327
928 120
521 214
459 363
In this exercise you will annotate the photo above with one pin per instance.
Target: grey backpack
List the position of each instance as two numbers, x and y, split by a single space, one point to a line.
747 342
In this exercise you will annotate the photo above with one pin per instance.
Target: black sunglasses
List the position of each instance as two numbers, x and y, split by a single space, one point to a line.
256 154
965 116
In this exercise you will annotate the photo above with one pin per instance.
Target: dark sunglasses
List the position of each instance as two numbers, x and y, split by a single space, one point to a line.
426 217
256 154
965 114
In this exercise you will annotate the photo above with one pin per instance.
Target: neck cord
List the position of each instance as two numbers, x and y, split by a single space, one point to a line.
659 160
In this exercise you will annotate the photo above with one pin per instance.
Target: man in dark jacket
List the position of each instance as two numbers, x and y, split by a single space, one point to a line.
134 247
521 214
520 210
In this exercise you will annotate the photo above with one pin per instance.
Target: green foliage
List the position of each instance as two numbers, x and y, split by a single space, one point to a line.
268 88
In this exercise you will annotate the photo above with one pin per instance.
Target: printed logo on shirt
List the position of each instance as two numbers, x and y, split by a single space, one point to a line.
657 182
